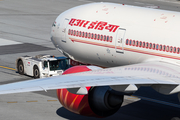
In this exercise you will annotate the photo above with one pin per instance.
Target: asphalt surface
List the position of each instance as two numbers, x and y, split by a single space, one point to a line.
28 22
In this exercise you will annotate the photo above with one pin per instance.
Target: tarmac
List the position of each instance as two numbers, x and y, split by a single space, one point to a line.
25 30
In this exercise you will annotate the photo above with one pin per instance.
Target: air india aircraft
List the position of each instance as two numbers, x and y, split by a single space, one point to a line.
134 47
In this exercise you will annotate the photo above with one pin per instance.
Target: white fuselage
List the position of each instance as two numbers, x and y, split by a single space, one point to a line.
155 32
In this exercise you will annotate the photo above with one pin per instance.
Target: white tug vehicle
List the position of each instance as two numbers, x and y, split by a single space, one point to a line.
41 66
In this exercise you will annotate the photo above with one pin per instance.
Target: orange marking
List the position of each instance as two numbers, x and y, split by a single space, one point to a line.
65 99
61 96
71 106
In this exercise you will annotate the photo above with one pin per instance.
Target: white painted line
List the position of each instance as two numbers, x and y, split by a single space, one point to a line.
139 3
168 1
85 1
153 7
4 42
159 101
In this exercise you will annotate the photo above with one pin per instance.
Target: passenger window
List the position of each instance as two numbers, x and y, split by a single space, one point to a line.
150 45
140 44
111 38
167 49
171 48
98 37
95 36
104 37
143 44
127 41
82 34
160 47
89 35
86 34
79 33
157 47
154 45
137 42
164 48
174 50
74 32
133 42
92 35
130 42
178 50
147 45
69 32
101 37
108 38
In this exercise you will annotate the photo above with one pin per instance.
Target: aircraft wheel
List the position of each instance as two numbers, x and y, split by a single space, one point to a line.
20 67
36 72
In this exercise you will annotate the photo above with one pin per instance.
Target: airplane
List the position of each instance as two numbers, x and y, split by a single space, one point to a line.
127 47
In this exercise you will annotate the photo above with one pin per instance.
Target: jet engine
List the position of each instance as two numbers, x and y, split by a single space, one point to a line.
101 101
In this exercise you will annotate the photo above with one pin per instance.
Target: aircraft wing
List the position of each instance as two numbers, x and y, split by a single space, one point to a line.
148 73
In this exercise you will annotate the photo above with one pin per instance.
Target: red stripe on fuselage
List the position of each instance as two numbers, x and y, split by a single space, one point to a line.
125 48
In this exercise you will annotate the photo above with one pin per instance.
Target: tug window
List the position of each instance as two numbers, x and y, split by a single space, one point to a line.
127 41
150 45
108 38
140 44
143 45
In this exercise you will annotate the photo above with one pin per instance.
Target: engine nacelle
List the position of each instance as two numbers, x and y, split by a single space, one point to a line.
99 102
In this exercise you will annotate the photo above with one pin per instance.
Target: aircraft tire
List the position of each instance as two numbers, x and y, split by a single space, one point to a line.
36 72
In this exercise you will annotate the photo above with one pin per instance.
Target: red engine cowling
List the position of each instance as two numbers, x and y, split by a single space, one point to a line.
99 102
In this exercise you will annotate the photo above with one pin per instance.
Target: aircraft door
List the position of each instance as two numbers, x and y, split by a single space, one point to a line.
119 44
64 30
